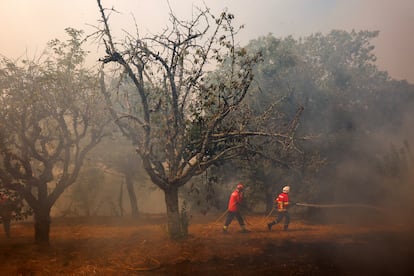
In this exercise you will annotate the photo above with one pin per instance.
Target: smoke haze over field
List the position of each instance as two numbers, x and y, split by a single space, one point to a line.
26 26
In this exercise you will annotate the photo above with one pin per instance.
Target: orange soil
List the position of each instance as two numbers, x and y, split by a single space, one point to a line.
126 246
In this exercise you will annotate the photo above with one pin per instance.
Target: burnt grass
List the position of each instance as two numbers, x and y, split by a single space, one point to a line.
379 254
126 246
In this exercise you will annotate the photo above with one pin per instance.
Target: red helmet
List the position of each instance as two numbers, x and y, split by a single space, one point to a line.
240 186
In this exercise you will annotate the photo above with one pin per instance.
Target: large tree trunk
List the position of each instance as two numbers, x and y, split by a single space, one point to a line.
175 228
42 224
131 193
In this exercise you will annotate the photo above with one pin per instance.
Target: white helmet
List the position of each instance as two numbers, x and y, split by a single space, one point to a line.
286 189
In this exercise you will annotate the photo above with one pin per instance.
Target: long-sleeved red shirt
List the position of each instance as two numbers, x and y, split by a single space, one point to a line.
282 202
235 200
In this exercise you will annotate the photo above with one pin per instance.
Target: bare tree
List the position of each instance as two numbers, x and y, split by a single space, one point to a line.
184 111
50 119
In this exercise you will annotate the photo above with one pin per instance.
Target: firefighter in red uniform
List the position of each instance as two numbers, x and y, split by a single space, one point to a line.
233 210
282 203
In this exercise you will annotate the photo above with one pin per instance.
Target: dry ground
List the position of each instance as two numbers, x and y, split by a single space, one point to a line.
123 246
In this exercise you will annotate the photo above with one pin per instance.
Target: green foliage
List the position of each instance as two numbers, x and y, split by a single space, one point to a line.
346 100
203 193
68 54
85 190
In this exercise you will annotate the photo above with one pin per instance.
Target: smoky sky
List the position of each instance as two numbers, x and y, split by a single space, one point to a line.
26 25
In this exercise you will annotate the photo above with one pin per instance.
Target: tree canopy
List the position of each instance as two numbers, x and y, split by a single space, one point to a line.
50 118
185 110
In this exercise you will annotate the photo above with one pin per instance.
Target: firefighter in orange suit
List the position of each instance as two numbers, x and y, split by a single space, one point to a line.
282 203
233 210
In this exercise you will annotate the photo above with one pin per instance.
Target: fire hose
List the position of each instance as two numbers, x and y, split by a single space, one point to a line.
345 205
270 213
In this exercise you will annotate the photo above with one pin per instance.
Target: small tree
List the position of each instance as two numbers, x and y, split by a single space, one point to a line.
115 157
185 111
12 207
50 119
85 190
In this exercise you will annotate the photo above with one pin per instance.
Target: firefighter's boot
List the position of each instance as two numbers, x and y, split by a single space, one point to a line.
285 227
269 225
225 228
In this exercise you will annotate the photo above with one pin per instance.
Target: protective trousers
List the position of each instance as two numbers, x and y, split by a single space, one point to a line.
231 216
280 216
